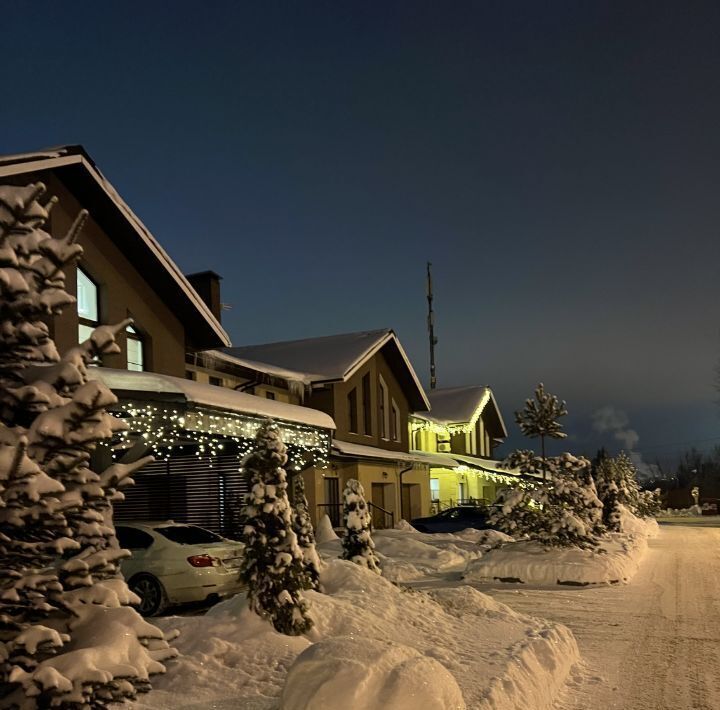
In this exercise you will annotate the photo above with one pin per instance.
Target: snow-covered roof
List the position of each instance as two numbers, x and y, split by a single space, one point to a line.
332 358
459 405
345 448
129 383
67 161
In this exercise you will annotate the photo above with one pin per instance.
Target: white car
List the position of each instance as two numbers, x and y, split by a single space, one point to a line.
174 563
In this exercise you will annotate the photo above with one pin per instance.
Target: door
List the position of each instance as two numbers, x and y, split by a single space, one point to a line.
332 500
378 500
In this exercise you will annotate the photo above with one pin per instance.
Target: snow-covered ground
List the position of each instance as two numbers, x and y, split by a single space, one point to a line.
439 643
379 644
648 645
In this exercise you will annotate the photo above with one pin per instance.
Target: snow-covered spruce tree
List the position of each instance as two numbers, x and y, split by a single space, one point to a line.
559 511
68 637
303 528
649 504
539 417
616 482
357 542
272 565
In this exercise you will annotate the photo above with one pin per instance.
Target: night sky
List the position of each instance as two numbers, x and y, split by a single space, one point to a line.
557 162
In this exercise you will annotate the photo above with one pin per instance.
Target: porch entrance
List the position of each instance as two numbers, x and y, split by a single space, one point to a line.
382 502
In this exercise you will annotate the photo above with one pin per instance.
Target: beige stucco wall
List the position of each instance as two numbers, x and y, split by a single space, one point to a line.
123 293
368 473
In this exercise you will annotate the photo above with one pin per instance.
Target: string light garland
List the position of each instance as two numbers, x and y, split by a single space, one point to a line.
167 431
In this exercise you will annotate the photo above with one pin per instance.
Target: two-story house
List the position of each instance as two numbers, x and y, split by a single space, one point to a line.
198 432
366 383
465 425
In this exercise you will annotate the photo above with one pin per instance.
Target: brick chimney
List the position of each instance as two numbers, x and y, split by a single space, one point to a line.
207 285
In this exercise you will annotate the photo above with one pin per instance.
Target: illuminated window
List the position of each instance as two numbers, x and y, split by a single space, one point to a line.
435 488
135 354
87 305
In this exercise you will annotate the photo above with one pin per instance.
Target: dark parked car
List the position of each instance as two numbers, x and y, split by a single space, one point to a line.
454 519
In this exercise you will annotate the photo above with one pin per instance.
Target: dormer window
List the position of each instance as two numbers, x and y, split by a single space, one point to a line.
87 305
135 350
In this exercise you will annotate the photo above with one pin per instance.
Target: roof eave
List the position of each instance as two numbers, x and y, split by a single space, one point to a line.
81 158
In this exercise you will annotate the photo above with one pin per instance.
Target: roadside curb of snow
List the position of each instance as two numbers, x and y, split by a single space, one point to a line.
536 672
526 562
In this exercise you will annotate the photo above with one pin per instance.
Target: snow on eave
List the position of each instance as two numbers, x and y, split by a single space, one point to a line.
305 378
487 396
362 451
375 348
60 157
211 396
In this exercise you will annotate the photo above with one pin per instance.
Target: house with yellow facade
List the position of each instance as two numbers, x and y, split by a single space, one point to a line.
366 383
464 426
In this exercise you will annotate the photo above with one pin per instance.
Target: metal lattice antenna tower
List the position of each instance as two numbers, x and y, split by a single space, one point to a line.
431 328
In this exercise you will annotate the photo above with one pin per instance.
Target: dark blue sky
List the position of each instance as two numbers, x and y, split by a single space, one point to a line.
557 162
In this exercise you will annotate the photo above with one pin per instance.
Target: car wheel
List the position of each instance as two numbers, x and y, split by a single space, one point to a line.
152 594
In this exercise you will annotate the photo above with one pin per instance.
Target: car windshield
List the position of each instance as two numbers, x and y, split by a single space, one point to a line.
188 534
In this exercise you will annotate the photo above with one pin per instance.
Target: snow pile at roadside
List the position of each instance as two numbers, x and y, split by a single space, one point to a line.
367 674
616 560
684 512
421 646
406 554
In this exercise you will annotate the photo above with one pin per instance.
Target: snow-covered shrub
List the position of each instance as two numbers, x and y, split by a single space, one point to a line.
302 526
649 504
357 542
562 510
272 565
68 635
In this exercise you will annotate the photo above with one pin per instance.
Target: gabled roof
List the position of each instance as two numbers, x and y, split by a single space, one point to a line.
78 172
462 405
333 358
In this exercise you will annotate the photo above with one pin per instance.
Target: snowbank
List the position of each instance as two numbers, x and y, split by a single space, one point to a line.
616 560
408 555
325 531
367 674
683 512
499 659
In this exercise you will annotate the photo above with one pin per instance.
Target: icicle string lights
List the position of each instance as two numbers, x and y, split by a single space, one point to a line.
166 431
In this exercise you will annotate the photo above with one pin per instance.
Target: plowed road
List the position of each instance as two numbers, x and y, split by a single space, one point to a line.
653 644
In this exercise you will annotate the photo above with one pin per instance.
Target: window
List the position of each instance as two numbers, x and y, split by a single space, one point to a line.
188 534
384 408
366 404
352 410
435 488
395 422
217 381
269 395
132 538
87 305
135 350
189 375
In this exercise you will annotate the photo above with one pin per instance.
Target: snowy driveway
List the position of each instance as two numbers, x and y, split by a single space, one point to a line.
653 644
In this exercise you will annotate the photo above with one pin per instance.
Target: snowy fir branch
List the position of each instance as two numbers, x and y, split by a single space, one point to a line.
69 637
